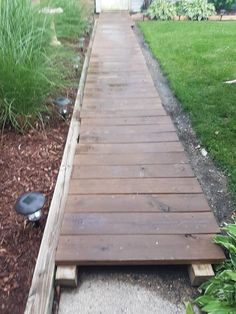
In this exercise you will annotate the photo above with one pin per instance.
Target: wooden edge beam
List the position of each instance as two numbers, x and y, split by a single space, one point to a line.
199 273
66 276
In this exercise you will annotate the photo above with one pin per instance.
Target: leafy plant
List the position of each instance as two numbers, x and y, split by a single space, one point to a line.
181 7
219 293
26 75
223 4
198 10
161 10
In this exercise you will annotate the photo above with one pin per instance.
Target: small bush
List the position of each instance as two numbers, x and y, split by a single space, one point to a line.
198 10
161 10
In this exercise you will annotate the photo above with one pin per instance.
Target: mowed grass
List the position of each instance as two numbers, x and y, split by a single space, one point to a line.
197 57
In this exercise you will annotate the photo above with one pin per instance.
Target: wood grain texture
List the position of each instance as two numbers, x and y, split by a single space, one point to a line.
86 113
130 171
130 148
137 203
138 250
133 186
138 223
154 137
127 121
126 129
131 159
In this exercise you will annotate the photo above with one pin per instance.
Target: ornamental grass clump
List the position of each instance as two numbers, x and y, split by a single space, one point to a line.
26 75
75 18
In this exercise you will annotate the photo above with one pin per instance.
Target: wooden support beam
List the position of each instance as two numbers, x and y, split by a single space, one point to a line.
66 276
199 273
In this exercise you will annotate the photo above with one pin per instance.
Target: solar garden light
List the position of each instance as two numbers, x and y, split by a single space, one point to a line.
77 63
30 204
53 11
62 104
81 43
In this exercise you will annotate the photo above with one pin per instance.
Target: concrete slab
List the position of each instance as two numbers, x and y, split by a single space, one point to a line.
128 290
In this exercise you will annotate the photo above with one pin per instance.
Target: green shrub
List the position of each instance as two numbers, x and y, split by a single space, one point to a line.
161 10
219 293
198 10
223 4
26 76
181 7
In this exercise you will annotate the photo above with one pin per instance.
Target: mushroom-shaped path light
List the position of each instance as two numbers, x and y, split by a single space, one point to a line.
53 11
30 204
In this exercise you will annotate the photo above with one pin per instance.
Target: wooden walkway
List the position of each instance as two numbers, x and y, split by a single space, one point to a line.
133 197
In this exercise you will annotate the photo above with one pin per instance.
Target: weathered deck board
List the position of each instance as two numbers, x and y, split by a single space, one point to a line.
138 223
131 148
133 171
133 197
138 249
131 159
137 203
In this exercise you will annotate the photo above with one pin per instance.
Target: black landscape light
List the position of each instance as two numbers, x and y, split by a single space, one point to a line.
30 204
62 104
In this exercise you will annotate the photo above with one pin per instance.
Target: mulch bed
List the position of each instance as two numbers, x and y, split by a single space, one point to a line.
28 162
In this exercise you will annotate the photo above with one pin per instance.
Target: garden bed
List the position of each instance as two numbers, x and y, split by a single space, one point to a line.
30 161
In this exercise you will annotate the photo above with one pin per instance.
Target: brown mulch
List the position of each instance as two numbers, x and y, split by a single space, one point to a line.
28 162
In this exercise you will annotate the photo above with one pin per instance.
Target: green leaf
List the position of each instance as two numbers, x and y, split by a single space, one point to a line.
189 308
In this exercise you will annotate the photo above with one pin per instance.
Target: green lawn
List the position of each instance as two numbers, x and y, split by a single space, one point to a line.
197 57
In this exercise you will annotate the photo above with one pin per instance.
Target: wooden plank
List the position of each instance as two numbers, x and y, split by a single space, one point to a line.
108 105
121 113
116 67
120 94
138 223
117 92
112 104
128 121
138 250
66 276
132 186
162 147
199 273
41 291
155 137
122 102
131 171
88 129
137 203
131 159
117 78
